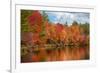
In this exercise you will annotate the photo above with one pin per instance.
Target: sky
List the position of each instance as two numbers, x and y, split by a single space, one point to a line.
69 17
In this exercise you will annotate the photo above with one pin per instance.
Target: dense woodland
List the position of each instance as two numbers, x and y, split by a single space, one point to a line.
42 40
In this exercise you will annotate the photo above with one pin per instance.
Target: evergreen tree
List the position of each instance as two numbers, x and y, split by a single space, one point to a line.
75 23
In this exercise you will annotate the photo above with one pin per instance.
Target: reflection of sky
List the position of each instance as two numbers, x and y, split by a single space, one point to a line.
69 17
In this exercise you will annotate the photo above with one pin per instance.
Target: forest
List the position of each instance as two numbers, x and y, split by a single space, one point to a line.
43 40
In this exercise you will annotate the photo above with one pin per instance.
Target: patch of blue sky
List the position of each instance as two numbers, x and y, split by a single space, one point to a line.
52 18
69 17
82 20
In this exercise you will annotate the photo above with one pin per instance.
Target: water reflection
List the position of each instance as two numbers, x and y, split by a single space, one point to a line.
52 53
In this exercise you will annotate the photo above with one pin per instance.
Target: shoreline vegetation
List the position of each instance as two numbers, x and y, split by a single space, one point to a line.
42 40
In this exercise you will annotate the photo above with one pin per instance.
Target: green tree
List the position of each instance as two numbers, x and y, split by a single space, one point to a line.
45 16
86 28
75 23
24 15
66 24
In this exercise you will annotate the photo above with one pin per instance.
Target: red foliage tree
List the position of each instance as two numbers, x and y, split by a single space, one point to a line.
59 27
35 18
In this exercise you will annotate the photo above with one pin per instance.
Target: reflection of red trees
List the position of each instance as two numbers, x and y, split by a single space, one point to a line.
35 58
